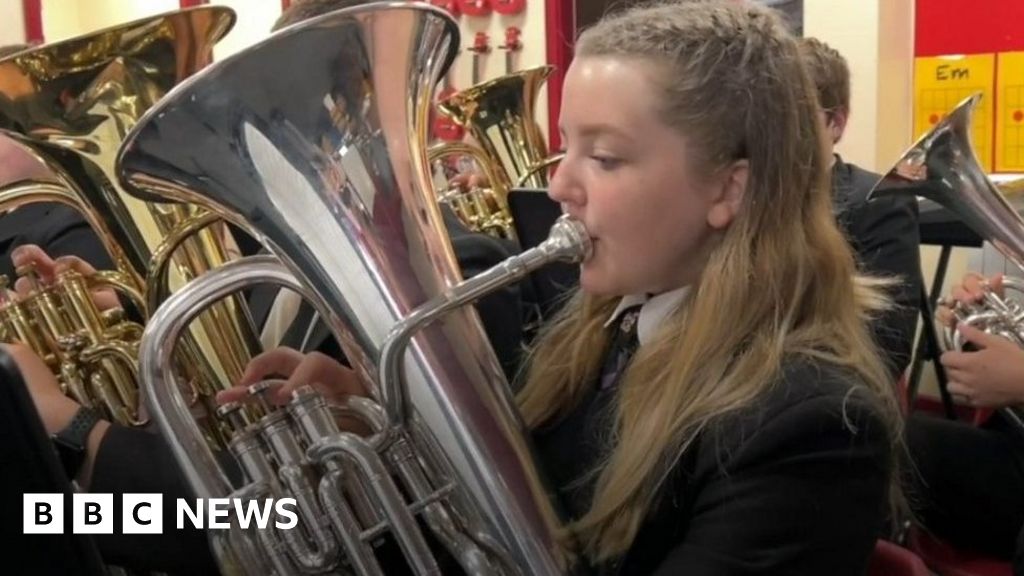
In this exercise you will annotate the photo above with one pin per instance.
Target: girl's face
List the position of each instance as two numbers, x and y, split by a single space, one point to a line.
635 182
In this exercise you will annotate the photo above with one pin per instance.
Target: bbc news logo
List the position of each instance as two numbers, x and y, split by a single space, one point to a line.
144 513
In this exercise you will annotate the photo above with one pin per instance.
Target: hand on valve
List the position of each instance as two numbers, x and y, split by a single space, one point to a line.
991 375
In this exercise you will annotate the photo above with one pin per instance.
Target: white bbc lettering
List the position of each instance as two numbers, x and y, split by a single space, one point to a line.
293 518
43 514
92 513
194 515
142 514
218 508
252 509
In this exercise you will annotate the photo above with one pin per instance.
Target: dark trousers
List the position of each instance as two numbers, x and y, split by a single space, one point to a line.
967 483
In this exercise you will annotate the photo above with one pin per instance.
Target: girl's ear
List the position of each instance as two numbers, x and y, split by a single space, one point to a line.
730 196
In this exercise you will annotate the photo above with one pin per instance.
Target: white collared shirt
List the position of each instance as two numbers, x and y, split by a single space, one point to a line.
653 311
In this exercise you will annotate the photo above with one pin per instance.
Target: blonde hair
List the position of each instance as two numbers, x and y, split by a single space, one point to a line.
780 283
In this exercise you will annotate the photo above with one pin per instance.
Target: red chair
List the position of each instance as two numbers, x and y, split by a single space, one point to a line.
889 559
949 561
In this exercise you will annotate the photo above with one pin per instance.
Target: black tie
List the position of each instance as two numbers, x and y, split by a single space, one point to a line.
624 343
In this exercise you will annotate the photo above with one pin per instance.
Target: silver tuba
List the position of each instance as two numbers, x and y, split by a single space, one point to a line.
942 166
312 141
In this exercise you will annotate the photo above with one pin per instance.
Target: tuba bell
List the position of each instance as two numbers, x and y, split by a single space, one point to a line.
500 115
325 164
68 105
942 166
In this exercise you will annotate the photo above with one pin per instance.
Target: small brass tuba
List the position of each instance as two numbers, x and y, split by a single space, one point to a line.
68 105
57 320
313 141
500 115
942 166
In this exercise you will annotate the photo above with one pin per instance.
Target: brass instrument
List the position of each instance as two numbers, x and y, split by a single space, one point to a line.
942 166
67 107
500 116
325 164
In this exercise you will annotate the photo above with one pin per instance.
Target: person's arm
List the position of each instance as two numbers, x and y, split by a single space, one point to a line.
989 372
120 460
990 375
804 494
55 409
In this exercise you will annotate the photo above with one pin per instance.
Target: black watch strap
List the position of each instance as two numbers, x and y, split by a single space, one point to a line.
70 441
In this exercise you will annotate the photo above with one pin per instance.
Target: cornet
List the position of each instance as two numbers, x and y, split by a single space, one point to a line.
69 105
943 167
500 115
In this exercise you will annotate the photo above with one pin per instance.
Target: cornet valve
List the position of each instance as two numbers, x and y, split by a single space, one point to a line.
5 284
232 414
113 316
29 271
310 410
258 392
72 343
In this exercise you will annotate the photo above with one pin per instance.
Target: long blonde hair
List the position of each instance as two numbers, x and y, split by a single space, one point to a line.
780 282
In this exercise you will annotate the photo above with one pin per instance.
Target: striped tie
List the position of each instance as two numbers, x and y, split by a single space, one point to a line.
624 344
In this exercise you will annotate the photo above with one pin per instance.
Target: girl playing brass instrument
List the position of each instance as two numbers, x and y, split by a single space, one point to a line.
710 401
752 430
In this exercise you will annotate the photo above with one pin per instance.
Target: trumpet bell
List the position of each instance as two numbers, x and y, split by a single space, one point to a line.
77 99
942 166
69 105
501 115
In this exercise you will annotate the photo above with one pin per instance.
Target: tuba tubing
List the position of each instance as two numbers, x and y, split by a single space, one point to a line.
568 242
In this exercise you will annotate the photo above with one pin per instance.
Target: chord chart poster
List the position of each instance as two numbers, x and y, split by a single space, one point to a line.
942 82
1010 112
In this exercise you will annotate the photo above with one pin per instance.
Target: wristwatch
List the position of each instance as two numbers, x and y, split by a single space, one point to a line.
70 442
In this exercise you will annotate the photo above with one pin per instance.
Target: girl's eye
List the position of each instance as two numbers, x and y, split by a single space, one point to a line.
607 162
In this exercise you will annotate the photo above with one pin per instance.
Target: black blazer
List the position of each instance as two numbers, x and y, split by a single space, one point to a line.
796 484
57 228
136 461
884 233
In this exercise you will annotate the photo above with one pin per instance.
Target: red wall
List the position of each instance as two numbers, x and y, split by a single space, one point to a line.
968 26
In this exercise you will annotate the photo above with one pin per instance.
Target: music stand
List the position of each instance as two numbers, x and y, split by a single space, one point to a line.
29 464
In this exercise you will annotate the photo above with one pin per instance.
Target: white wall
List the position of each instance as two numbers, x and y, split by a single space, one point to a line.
68 18
876 37
255 18
12 27
532 23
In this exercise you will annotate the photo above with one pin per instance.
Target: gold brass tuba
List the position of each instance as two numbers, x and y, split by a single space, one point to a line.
942 166
500 115
69 106
313 141
43 319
